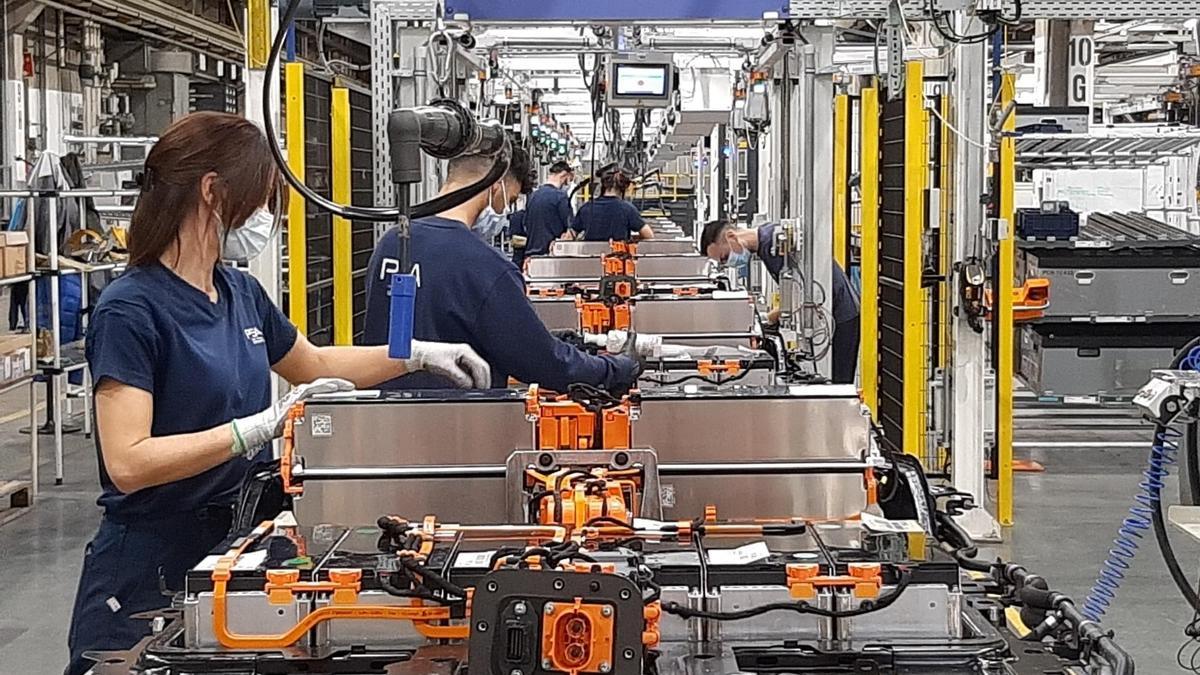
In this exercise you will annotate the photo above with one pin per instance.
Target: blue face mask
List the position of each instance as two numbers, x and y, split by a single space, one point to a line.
739 260
489 223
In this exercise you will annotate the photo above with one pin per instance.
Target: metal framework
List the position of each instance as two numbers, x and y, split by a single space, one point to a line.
1030 9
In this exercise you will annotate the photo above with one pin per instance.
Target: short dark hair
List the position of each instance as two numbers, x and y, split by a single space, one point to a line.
470 168
520 169
711 234
560 167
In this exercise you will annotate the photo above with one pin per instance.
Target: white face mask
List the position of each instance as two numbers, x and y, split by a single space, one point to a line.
489 223
242 244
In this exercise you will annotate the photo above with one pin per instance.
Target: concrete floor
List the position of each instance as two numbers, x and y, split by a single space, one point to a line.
1066 518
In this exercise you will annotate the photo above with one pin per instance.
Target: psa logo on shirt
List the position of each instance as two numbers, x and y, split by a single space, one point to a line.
391 266
255 336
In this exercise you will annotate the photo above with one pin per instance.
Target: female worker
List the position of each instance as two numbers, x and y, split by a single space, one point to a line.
609 217
181 349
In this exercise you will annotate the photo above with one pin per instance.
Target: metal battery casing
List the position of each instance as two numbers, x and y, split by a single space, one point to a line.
649 267
1066 360
598 248
557 313
724 319
770 423
1142 285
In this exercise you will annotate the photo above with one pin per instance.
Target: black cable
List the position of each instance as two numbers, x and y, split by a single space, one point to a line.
534 503
351 212
697 376
608 520
825 552
1156 513
865 607
431 579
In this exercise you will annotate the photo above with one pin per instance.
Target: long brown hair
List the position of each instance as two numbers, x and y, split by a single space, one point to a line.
201 143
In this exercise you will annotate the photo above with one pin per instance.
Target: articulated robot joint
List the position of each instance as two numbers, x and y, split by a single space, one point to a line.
1169 395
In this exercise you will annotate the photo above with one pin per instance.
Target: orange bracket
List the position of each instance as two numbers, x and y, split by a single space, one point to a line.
286 459
563 424
1030 300
729 367
803 580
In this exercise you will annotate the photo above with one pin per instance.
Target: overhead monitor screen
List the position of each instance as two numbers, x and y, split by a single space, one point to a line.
638 80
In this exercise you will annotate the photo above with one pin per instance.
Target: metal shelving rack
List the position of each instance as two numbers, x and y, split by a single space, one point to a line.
66 359
1089 151
18 495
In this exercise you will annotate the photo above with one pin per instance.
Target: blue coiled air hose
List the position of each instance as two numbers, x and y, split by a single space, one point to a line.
1136 524
1145 513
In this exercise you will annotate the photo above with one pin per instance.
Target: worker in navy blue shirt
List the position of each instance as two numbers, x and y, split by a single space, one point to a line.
548 211
468 292
518 236
609 217
181 349
735 247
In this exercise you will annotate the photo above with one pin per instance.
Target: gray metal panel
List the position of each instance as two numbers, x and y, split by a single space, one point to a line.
648 267
828 424
376 434
672 266
786 428
598 248
1067 371
557 313
1120 291
676 315
542 267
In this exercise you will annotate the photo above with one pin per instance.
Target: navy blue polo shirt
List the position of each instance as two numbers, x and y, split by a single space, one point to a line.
845 298
469 293
547 216
204 363
516 228
607 219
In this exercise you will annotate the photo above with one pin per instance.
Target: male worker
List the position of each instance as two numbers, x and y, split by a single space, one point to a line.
547 212
734 247
469 290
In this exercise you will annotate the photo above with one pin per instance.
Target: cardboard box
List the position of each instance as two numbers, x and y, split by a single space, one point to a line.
15 261
14 254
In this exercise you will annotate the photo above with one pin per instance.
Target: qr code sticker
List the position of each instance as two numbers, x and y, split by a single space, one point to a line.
322 426
666 493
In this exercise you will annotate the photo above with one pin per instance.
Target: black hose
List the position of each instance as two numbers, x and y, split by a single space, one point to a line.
865 607
462 195
1156 513
1088 632
374 214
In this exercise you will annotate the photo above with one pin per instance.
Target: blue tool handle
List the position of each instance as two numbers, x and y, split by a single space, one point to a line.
400 325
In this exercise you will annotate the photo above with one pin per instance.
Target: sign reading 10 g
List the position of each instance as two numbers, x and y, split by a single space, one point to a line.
1081 70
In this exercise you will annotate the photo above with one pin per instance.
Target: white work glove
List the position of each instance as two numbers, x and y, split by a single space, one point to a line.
252 432
455 362
646 345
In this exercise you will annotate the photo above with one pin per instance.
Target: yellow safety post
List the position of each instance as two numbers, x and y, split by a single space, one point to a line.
916 160
945 318
343 283
297 213
258 33
1004 306
869 321
841 176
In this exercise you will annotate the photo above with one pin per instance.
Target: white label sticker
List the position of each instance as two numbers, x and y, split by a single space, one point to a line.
248 562
113 604
742 555
473 559
875 523
322 426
